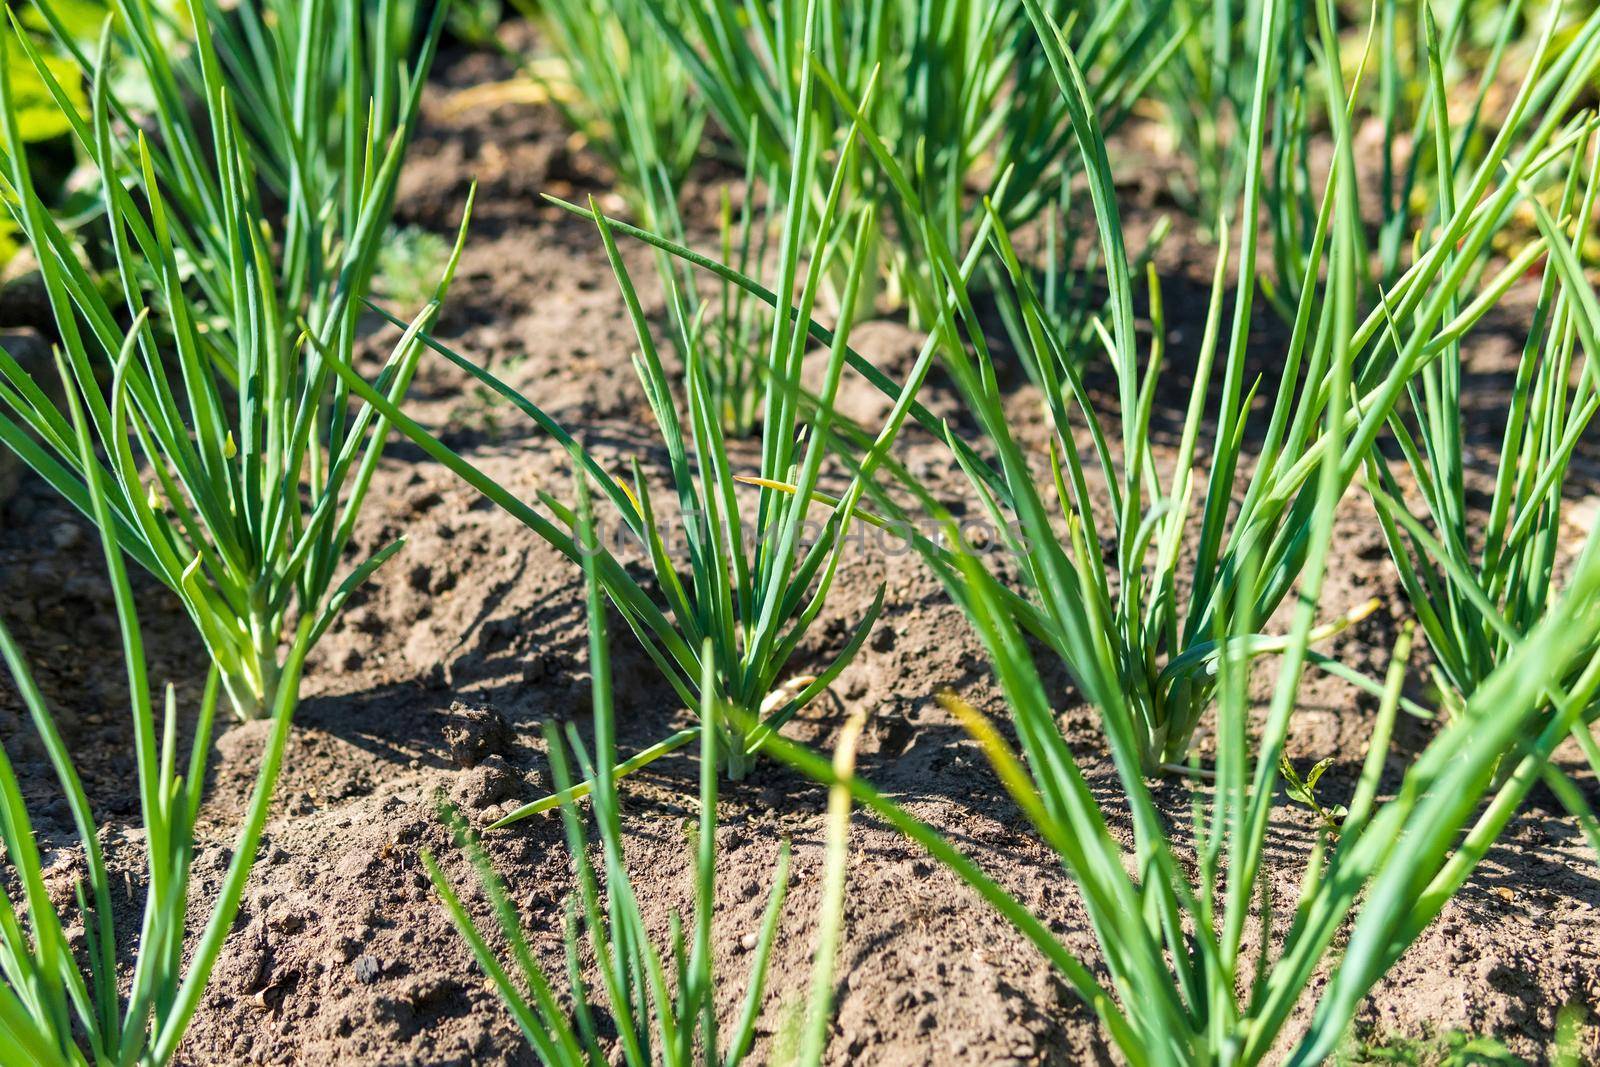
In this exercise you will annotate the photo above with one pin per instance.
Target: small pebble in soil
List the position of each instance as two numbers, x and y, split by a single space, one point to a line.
748 942
368 968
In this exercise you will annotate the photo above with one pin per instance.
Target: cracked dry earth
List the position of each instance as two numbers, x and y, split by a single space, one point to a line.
438 680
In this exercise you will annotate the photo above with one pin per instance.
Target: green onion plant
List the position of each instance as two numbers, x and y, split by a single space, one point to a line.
973 99
733 325
1427 151
730 327
1205 92
1149 604
746 586
314 89
627 93
60 1007
1183 985
662 1004
233 461
1205 98
1479 585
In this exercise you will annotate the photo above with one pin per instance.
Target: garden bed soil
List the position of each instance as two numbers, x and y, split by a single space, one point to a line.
438 681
